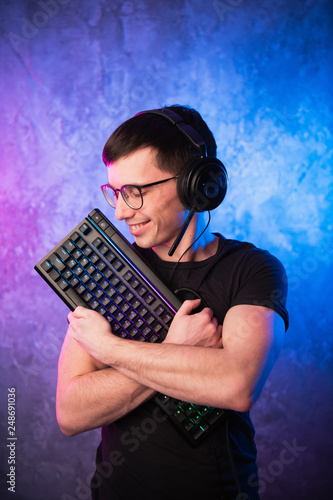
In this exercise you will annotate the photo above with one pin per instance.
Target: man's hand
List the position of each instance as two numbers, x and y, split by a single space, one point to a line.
90 330
199 329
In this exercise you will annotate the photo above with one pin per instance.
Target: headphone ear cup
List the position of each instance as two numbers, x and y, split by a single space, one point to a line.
202 184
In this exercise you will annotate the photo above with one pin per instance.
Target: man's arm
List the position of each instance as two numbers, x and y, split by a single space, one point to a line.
230 378
91 394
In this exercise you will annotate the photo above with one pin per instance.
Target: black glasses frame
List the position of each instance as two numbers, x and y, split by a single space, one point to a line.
116 192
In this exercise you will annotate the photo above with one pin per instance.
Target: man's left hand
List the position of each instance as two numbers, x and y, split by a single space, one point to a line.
90 330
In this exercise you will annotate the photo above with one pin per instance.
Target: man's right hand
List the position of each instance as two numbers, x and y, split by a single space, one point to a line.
198 329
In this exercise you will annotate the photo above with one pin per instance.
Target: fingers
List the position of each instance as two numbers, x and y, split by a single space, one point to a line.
188 306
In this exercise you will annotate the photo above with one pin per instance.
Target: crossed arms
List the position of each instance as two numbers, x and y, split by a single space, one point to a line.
102 377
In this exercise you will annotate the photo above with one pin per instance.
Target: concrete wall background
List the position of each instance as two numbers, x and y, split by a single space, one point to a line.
260 74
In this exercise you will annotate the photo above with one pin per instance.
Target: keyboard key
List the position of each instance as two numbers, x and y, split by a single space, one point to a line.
63 254
214 415
104 249
115 280
91 269
126 323
179 416
77 254
149 298
78 271
131 314
141 290
84 262
98 293
112 308
108 273
75 236
67 274
46 266
85 278
157 327
101 265
142 311
69 245
159 310
87 250
74 281
104 284
135 303
128 295
92 285
139 322
128 276
125 307
150 319
81 289
110 256
58 264
96 217
134 283
105 300
80 243
103 224
111 291
97 242
94 258
63 284
133 332
54 274
71 293
71 263
87 296
117 299
85 229
121 288
119 316
166 318
198 431
118 265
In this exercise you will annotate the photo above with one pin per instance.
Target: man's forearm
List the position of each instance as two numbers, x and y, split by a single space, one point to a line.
184 372
97 399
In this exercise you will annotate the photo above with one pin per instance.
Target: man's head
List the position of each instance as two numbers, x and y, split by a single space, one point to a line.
173 149
147 157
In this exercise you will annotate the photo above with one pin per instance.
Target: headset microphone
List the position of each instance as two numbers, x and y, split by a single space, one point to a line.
181 232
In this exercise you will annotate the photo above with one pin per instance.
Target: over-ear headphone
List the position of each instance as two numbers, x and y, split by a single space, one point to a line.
202 183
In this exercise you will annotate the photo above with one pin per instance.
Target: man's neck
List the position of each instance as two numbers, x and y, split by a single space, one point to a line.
205 247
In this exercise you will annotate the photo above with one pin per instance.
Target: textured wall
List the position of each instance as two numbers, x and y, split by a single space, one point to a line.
260 74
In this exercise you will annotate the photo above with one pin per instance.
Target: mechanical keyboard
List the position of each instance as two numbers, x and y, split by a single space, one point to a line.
96 267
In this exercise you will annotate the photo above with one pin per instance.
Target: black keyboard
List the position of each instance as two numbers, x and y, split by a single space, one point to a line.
96 267
194 421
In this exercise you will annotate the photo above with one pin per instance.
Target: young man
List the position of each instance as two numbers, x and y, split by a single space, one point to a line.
220 356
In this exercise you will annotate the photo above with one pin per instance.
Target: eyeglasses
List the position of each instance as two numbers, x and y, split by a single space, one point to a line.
131 194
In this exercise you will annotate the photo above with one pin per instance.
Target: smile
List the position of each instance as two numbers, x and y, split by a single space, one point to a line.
134 228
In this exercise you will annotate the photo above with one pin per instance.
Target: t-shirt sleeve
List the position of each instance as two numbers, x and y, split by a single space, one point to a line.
263 282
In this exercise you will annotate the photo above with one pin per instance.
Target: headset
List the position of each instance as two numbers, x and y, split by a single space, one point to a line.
202 183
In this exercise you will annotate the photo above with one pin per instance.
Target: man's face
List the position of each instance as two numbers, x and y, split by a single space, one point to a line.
160 218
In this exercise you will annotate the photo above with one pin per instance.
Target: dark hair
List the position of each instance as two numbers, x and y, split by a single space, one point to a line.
174 150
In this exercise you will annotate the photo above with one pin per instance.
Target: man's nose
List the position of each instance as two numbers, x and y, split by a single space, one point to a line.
123 211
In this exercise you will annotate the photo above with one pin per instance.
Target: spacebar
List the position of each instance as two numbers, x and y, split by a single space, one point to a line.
75 297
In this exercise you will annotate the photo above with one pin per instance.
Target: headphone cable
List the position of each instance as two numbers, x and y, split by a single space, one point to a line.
182 255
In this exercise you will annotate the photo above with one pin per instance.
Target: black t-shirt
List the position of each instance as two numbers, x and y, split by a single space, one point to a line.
141 455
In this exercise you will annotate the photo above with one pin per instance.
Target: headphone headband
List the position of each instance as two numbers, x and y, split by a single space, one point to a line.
187 130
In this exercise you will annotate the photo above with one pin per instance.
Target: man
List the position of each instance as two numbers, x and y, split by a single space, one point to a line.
219 356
